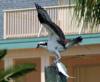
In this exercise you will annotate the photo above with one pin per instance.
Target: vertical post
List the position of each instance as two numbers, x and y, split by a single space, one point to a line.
8 62
81 28
60 2
44 62
4 27
11 80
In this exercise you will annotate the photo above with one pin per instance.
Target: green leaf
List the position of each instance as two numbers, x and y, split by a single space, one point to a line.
16 71
88 11
2 53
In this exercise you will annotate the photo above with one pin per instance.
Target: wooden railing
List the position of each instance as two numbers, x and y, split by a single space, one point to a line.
24 22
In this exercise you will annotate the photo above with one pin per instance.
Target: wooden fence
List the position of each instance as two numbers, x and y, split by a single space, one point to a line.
24 22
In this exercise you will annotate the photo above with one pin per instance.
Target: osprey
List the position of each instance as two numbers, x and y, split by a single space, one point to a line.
56 38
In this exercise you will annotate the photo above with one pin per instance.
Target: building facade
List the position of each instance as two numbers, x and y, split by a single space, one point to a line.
16 4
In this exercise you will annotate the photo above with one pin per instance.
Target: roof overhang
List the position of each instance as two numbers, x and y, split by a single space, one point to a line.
21 43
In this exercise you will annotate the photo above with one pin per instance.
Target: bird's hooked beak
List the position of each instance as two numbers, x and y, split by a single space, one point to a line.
40 9
38 6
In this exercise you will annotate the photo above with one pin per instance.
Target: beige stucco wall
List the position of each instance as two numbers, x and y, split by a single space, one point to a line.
44 55
77 50
83 50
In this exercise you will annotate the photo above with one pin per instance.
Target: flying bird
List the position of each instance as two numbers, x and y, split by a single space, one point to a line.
56 39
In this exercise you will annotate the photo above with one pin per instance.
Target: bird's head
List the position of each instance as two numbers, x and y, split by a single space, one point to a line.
38 7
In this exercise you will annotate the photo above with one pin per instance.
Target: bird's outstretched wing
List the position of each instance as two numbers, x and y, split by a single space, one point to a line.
51 27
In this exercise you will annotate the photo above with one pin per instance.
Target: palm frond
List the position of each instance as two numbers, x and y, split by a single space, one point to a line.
16 72
88 11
